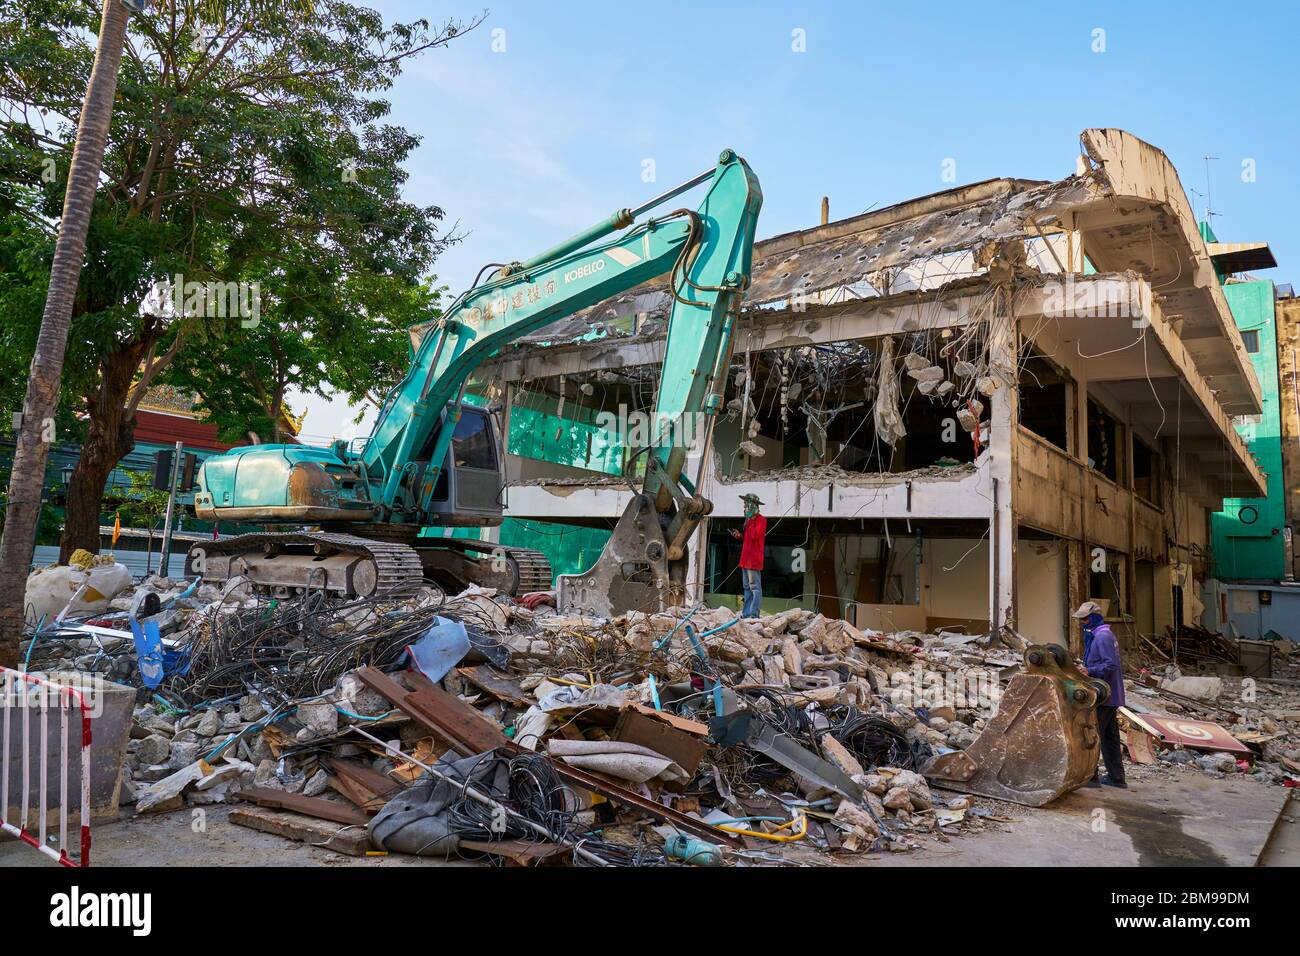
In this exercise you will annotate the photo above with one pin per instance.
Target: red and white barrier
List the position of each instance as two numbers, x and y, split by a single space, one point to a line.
25 698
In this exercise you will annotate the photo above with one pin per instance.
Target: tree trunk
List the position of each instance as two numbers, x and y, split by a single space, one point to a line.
110 435
106 444
28 476
84 494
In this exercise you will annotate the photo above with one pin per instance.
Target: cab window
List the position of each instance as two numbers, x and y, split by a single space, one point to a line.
472 444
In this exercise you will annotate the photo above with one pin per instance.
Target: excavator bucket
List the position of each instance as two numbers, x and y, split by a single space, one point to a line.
1041 743
632 572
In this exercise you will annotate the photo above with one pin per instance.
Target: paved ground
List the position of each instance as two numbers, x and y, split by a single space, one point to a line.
1191 820
170 839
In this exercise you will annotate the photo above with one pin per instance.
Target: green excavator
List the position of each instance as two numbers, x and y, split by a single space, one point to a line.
434 461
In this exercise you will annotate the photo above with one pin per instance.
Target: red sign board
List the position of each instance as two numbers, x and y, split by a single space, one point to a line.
1192 734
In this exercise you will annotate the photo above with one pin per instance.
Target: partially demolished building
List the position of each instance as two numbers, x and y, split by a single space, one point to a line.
976 408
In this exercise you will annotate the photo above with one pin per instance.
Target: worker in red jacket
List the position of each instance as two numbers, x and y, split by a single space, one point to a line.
751 555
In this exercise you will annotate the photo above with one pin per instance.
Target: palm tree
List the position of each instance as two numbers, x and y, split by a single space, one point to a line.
33 437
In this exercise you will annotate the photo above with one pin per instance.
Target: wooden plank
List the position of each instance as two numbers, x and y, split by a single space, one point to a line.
354 841
308 806
430 705
1141 746
521 852
373 787
361 799
502 688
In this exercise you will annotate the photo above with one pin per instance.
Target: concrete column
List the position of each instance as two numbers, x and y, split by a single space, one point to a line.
1077 582
509 463
697 560
1004 415
1163 584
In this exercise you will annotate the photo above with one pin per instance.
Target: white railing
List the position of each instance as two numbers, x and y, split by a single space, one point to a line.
28 697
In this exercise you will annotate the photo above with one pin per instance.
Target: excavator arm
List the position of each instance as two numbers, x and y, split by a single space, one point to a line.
390 488
708 252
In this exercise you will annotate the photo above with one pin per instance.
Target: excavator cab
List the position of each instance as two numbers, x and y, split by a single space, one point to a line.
467 491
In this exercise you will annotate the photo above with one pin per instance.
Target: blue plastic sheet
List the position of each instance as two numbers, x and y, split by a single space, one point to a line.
149 652
442 647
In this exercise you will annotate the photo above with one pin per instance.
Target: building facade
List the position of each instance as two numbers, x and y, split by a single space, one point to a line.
1248 534
974 409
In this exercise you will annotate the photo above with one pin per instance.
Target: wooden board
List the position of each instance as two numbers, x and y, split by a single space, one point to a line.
308 806
521 852
870 580
828 592
1141 745
365 779
354 841
649 728
359 798
430 705
499 686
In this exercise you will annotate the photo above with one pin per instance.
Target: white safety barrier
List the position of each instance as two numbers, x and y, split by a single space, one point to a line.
25 698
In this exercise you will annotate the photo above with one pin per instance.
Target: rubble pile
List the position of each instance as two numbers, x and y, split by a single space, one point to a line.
483 727
1262 715
589 737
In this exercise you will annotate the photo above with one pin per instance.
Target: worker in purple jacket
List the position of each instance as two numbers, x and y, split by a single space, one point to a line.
1101 660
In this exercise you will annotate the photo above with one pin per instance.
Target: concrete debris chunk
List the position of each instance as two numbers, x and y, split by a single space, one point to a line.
209 724
320 717
914 361
968 416
154 749
1199 688
840 755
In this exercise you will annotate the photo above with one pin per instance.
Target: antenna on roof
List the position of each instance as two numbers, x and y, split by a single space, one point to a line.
1209 207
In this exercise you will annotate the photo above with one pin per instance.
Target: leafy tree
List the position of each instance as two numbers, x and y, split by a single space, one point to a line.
249 145
143 504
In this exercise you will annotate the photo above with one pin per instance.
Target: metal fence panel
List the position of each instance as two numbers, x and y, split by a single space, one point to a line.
26 701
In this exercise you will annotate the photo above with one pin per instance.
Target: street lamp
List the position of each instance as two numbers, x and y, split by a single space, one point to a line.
136 6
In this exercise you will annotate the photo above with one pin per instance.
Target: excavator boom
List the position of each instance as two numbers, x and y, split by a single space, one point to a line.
406 477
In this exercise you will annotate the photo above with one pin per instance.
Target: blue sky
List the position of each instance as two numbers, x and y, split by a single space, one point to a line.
535 132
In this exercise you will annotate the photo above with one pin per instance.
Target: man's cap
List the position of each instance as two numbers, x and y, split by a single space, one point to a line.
753 498
1087 608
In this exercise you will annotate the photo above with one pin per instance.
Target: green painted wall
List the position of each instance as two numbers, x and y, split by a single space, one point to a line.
536 431
571 549
574 440
1247 533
